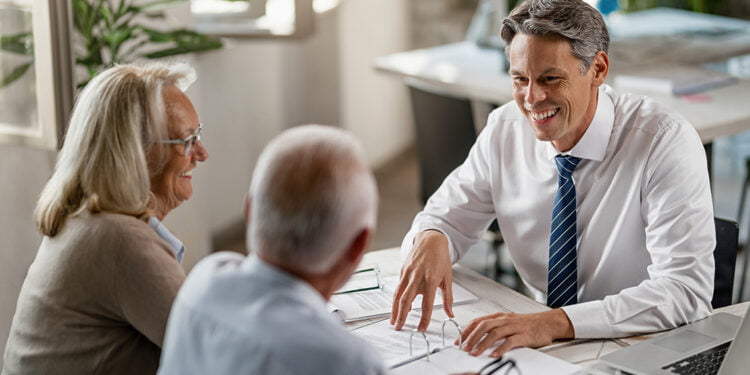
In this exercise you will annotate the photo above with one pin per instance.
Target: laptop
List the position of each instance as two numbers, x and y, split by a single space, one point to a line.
713 345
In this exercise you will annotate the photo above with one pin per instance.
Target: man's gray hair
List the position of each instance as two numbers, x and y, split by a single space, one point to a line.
574 20
311 194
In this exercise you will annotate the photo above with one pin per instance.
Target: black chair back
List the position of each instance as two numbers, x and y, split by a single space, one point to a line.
444 135
725 256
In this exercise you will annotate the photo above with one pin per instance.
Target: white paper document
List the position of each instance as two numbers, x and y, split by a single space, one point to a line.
446 358
377 302
447 361
454 361
393 346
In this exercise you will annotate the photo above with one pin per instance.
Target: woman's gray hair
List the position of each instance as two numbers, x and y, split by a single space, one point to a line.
574 20
109 155
311 194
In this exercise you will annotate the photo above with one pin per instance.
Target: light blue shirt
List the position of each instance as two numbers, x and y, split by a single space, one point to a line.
237 315
166 235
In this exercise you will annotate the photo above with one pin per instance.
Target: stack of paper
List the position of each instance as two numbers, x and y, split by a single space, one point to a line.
453 361
672 80
446 358
378 302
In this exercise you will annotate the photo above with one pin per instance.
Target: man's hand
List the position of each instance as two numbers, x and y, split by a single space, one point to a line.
428 267
532 330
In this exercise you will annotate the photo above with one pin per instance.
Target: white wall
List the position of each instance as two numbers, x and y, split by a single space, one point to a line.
251 90
23 172
375 107
238 96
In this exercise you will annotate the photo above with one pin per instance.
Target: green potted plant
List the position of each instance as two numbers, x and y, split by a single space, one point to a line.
17 43
109 32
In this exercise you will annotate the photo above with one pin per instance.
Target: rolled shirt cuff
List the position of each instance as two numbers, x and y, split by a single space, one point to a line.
408 243
589 320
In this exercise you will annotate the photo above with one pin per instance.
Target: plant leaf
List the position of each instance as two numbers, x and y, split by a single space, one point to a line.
155 15
186 41
107 16
21 43
156 36
115 38
94 54
181 49
132 49
122 8
17 73
107 26
81 11
160 4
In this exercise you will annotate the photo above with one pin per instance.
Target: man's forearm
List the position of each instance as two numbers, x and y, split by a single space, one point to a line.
559 324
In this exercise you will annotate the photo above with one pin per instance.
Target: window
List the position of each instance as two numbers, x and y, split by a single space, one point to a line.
254 18
36 90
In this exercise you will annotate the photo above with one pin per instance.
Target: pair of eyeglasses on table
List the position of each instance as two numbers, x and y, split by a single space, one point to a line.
187 142
500 366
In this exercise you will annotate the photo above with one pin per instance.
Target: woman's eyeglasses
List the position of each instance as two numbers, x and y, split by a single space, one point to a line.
187 143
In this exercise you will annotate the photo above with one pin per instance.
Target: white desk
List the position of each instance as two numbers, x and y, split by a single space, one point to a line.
494 297
467 71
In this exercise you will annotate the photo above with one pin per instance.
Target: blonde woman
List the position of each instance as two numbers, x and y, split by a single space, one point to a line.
97 296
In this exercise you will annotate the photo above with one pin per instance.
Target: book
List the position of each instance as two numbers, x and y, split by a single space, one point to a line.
377 303
672 80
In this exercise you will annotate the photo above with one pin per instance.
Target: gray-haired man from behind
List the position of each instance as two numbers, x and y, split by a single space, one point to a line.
311 212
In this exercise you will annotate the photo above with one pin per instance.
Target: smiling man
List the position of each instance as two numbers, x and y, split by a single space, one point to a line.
603 198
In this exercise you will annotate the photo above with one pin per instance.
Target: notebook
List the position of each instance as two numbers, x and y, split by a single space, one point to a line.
713 345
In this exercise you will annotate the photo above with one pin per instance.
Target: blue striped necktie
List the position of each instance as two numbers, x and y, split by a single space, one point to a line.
562 283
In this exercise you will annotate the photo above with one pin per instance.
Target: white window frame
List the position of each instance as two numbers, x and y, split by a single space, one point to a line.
51 25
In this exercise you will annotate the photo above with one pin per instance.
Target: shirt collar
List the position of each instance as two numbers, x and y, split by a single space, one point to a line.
593 143
309 295
177 247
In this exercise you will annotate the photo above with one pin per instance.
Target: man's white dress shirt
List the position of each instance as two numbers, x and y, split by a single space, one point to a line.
645 215
237 315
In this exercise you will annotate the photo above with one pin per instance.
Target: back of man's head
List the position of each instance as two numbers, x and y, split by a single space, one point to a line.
311 196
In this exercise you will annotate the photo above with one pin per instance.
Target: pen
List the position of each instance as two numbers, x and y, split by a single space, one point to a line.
365 270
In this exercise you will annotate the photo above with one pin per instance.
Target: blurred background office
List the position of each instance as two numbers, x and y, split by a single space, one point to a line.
277 64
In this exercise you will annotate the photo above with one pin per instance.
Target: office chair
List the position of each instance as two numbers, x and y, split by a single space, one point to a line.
725 257
740 212
444 135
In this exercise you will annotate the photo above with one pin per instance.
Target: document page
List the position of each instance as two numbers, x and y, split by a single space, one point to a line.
447 361
446 358
453 360
377 302
393 346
